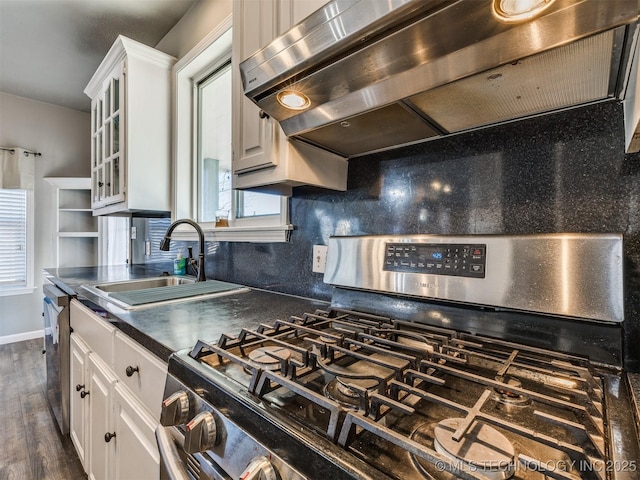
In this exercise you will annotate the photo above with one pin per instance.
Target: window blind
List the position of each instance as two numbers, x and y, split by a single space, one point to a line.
13 238
156 228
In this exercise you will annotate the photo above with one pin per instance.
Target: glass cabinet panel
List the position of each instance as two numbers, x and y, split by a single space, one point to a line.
94 118
107 180
99 150
95 190
94 151
116 176
107 102
116 134
107 139
100 185
116 95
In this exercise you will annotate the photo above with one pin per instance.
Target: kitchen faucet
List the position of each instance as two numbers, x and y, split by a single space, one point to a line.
164 244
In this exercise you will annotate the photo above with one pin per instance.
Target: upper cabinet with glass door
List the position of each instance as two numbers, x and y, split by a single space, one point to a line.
263 158
130 130
106 180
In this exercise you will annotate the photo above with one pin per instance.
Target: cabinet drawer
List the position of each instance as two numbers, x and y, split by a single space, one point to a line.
147 382
96 332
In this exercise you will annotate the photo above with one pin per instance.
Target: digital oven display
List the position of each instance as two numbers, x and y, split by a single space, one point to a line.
461 260
432 253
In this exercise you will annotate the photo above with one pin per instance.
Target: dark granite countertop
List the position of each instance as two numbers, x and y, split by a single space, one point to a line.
166 328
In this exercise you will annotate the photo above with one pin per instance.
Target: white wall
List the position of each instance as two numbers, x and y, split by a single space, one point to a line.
196 24
62 136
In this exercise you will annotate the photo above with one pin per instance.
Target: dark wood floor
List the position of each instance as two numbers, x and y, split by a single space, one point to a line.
32 447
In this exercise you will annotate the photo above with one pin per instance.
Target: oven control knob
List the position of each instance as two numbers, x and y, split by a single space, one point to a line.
259 468
175 409
200 433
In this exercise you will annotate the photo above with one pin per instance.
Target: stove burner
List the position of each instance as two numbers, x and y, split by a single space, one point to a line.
508 397
346 390
344 385
347 396
269 357
327 339
483 449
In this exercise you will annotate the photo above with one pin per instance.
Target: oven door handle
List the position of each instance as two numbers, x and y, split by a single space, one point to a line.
170 462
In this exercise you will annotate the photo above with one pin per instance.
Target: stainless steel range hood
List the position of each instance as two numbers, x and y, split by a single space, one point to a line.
380 74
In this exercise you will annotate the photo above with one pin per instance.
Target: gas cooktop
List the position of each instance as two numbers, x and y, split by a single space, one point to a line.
415 400
385 392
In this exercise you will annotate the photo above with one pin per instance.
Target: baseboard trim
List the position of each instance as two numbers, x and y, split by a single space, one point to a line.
20 337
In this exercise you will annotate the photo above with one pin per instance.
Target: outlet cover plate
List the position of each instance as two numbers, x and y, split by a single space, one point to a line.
319 258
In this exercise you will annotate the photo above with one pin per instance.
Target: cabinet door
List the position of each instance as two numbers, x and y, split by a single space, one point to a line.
101 452
106 139
258 139
253 133
97 152
262 154
136 448
79 400
113 178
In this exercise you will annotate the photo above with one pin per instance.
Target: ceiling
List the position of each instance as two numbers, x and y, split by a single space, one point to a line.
49 49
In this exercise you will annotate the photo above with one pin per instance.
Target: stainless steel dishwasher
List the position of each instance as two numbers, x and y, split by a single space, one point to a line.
56 344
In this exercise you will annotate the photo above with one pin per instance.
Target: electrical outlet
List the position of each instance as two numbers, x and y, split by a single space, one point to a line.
319 258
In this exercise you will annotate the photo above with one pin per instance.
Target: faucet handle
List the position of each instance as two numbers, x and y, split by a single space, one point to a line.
190 248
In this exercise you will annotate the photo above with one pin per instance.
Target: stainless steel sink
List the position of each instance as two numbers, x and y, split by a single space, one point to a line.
149 292
143 283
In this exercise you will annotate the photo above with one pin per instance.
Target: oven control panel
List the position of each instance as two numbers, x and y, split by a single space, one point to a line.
460 260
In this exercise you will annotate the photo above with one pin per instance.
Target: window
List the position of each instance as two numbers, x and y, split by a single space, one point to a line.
213 144
203 151
15 242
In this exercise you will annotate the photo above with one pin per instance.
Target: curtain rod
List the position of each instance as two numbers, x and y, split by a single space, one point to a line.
26 152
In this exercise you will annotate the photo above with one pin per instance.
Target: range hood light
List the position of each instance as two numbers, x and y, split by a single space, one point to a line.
513 11
293 100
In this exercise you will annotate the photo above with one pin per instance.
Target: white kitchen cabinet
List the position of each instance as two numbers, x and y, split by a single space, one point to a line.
253 135
263 158
79 400
91 385
77 230
100 385
91 408
130 129
114 402
94 331
137 453
106 133
141 371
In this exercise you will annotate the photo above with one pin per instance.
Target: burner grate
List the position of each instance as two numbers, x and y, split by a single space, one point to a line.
398 371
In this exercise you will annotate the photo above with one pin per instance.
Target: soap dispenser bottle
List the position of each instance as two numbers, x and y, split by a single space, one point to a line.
179 264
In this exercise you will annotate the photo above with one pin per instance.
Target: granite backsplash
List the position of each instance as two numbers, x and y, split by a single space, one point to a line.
564 172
